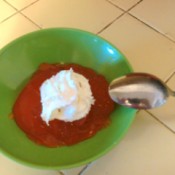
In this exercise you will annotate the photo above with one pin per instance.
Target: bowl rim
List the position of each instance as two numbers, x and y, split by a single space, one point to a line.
65 29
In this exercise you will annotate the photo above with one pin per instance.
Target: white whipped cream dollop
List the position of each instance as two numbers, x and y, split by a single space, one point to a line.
65 96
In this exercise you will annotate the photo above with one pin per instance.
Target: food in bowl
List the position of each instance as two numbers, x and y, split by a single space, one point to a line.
22 57
63 104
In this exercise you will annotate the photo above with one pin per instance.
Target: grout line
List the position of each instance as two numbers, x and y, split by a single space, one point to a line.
31 20
171 75
82 171
61 173
8 17
124 12
109 24
128 12
11 5
124 9
160 122
29 5
19 11
115 5
23 7
151 27
134 5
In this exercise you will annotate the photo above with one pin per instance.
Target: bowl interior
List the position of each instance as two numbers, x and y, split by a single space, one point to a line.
20 58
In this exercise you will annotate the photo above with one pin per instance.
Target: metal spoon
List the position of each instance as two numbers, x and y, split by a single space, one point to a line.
139 91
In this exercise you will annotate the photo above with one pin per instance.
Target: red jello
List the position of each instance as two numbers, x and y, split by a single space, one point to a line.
27 109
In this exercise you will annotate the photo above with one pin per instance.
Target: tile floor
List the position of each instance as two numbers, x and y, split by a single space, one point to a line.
144 30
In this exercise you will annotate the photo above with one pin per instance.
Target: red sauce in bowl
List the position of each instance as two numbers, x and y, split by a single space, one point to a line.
27 109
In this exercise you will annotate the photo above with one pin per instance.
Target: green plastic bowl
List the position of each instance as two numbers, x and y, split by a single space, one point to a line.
20 58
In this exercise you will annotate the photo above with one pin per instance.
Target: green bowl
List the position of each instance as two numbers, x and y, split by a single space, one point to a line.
20 58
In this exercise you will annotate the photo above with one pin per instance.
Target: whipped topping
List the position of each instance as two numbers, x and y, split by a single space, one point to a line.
65 96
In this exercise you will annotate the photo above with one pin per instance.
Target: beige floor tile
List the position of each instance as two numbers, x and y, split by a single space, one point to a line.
159 14
125 4
13 28
19 4
91 15
73 171
9 167
146 50
5 10
166 113
147 149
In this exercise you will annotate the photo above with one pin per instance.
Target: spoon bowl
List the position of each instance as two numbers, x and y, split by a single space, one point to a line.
139 91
